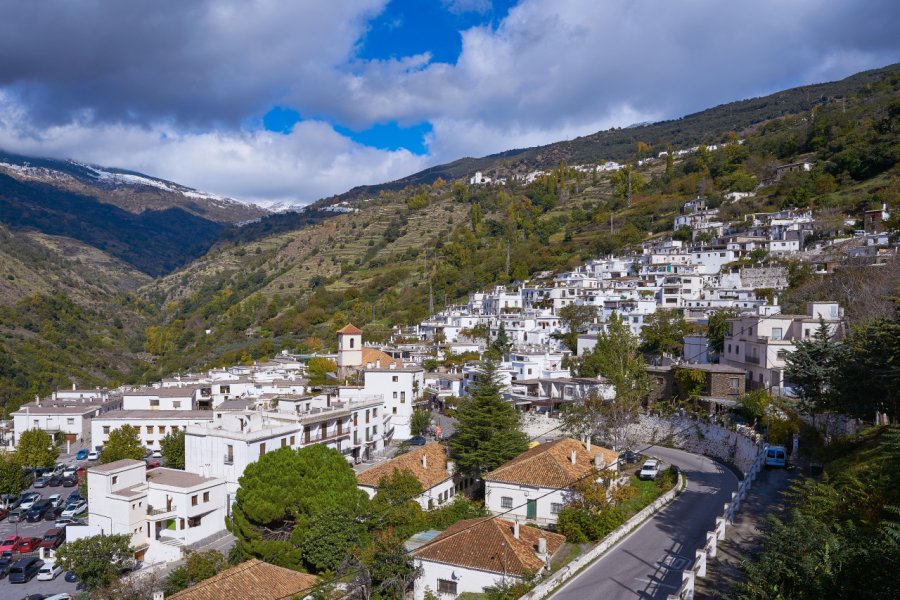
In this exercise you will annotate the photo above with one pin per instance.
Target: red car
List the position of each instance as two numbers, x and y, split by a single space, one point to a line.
152 464
10 543
27 544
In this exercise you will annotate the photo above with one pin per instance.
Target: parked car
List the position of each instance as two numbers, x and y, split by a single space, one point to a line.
49 571
82 454
10 501
29 501
40 482
62 596
16 515
37 511
27 544
629 457
54 481
10 543
53 538
3 513
54 513
55 500
59 468
153 464
63 522
776 456
417 440
93 455
70 471
24 569
650 469
5 564
75 495
68 482
74 508
156 454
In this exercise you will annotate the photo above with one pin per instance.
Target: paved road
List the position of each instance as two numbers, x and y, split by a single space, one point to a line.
648 563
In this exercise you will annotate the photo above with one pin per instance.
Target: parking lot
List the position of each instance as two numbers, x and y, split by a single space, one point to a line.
10 591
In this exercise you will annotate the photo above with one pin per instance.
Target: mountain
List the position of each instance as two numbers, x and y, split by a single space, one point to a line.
153 225
708 126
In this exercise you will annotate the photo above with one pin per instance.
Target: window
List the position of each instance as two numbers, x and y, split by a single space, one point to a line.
394 378
734 383
262 449
782 354
776 333
115 479
149 429
729 348
154 403
352 342
70 421
292 440
402 397
394 409
162 429
395 395
224 389
505 502
283 442
229 454
555 507
194 500
176 404
445 586
206 496
106 429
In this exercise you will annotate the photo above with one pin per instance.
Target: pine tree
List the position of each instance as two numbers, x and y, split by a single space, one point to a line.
812 367
487 432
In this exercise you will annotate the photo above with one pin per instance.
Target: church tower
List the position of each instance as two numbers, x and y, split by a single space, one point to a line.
349 350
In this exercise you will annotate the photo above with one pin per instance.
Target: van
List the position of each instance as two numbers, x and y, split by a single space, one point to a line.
776 456
24 569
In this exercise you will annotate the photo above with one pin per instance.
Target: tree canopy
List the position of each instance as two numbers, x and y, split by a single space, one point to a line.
172 449
12 478
487 431
576 319
664 332
197 567
281 494
96 560
811 369
123 442
36 449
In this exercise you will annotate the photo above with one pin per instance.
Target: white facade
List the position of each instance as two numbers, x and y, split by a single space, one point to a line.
500 497
401 388
466 579
152 425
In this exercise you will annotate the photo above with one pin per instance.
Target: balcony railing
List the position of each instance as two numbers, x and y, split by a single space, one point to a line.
752 359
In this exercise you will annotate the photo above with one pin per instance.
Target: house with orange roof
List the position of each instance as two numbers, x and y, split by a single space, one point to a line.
428 464
475 554
535 485
251 580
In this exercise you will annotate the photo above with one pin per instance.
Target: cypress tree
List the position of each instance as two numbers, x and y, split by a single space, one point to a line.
487 432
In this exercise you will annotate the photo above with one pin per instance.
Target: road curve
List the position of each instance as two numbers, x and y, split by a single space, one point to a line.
648 563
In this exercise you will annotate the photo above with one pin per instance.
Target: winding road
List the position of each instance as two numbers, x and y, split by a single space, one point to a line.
648 563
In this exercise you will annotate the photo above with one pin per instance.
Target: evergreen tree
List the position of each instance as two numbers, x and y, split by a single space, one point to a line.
487 432
868 371
811 369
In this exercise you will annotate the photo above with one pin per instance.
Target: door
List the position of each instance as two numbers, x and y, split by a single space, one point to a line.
532 509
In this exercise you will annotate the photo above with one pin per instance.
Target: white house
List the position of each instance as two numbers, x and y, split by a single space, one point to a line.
428 464
401 387
163 510
474 554
152 425
535 485
162 398
67 412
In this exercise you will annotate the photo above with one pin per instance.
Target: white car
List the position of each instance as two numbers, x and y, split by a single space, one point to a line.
29 500
55 500
93 455
649 470
49 572
69 472
74 508
59 597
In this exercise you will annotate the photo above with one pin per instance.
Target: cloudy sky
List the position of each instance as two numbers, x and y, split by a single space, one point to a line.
276 100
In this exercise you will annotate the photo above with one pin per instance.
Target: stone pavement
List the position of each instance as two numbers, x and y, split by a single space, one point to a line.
765 498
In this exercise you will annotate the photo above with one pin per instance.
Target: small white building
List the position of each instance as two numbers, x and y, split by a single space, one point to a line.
536 485
428 464
152 425
402 389
67 412
475 554
164 510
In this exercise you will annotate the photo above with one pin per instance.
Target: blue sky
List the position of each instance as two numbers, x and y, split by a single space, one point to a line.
275 101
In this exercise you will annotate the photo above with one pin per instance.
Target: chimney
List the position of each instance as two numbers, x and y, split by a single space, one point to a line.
451 467
542 546
377 364
516 529
73 387
599 463
424 460
573 457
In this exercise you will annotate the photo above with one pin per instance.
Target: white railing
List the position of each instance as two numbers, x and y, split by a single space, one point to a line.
689 577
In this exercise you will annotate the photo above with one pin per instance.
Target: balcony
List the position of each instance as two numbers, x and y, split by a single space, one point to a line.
156 514
754 360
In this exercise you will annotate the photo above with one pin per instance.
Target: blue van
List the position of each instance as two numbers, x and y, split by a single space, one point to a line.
776 456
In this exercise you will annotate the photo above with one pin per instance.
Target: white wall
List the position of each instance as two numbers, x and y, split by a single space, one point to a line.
496 490
467 580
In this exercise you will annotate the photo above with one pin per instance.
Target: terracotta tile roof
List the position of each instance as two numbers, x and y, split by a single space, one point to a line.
350 329
429 476
250 580
372 355
489 544
550 465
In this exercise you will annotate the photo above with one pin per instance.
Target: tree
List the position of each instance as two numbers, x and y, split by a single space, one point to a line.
617 358
96 560
123 442
811 369
754 404
576 319
12 478
332 535
500 346
394 507
391 568
281 493
318 369
487 431
36 449
664 332
197 567
717 328
419 422
867 380
172 449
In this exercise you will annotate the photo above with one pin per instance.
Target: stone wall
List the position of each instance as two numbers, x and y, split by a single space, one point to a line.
738 447
764 277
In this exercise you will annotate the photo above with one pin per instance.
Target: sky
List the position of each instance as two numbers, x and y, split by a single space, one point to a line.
289 101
